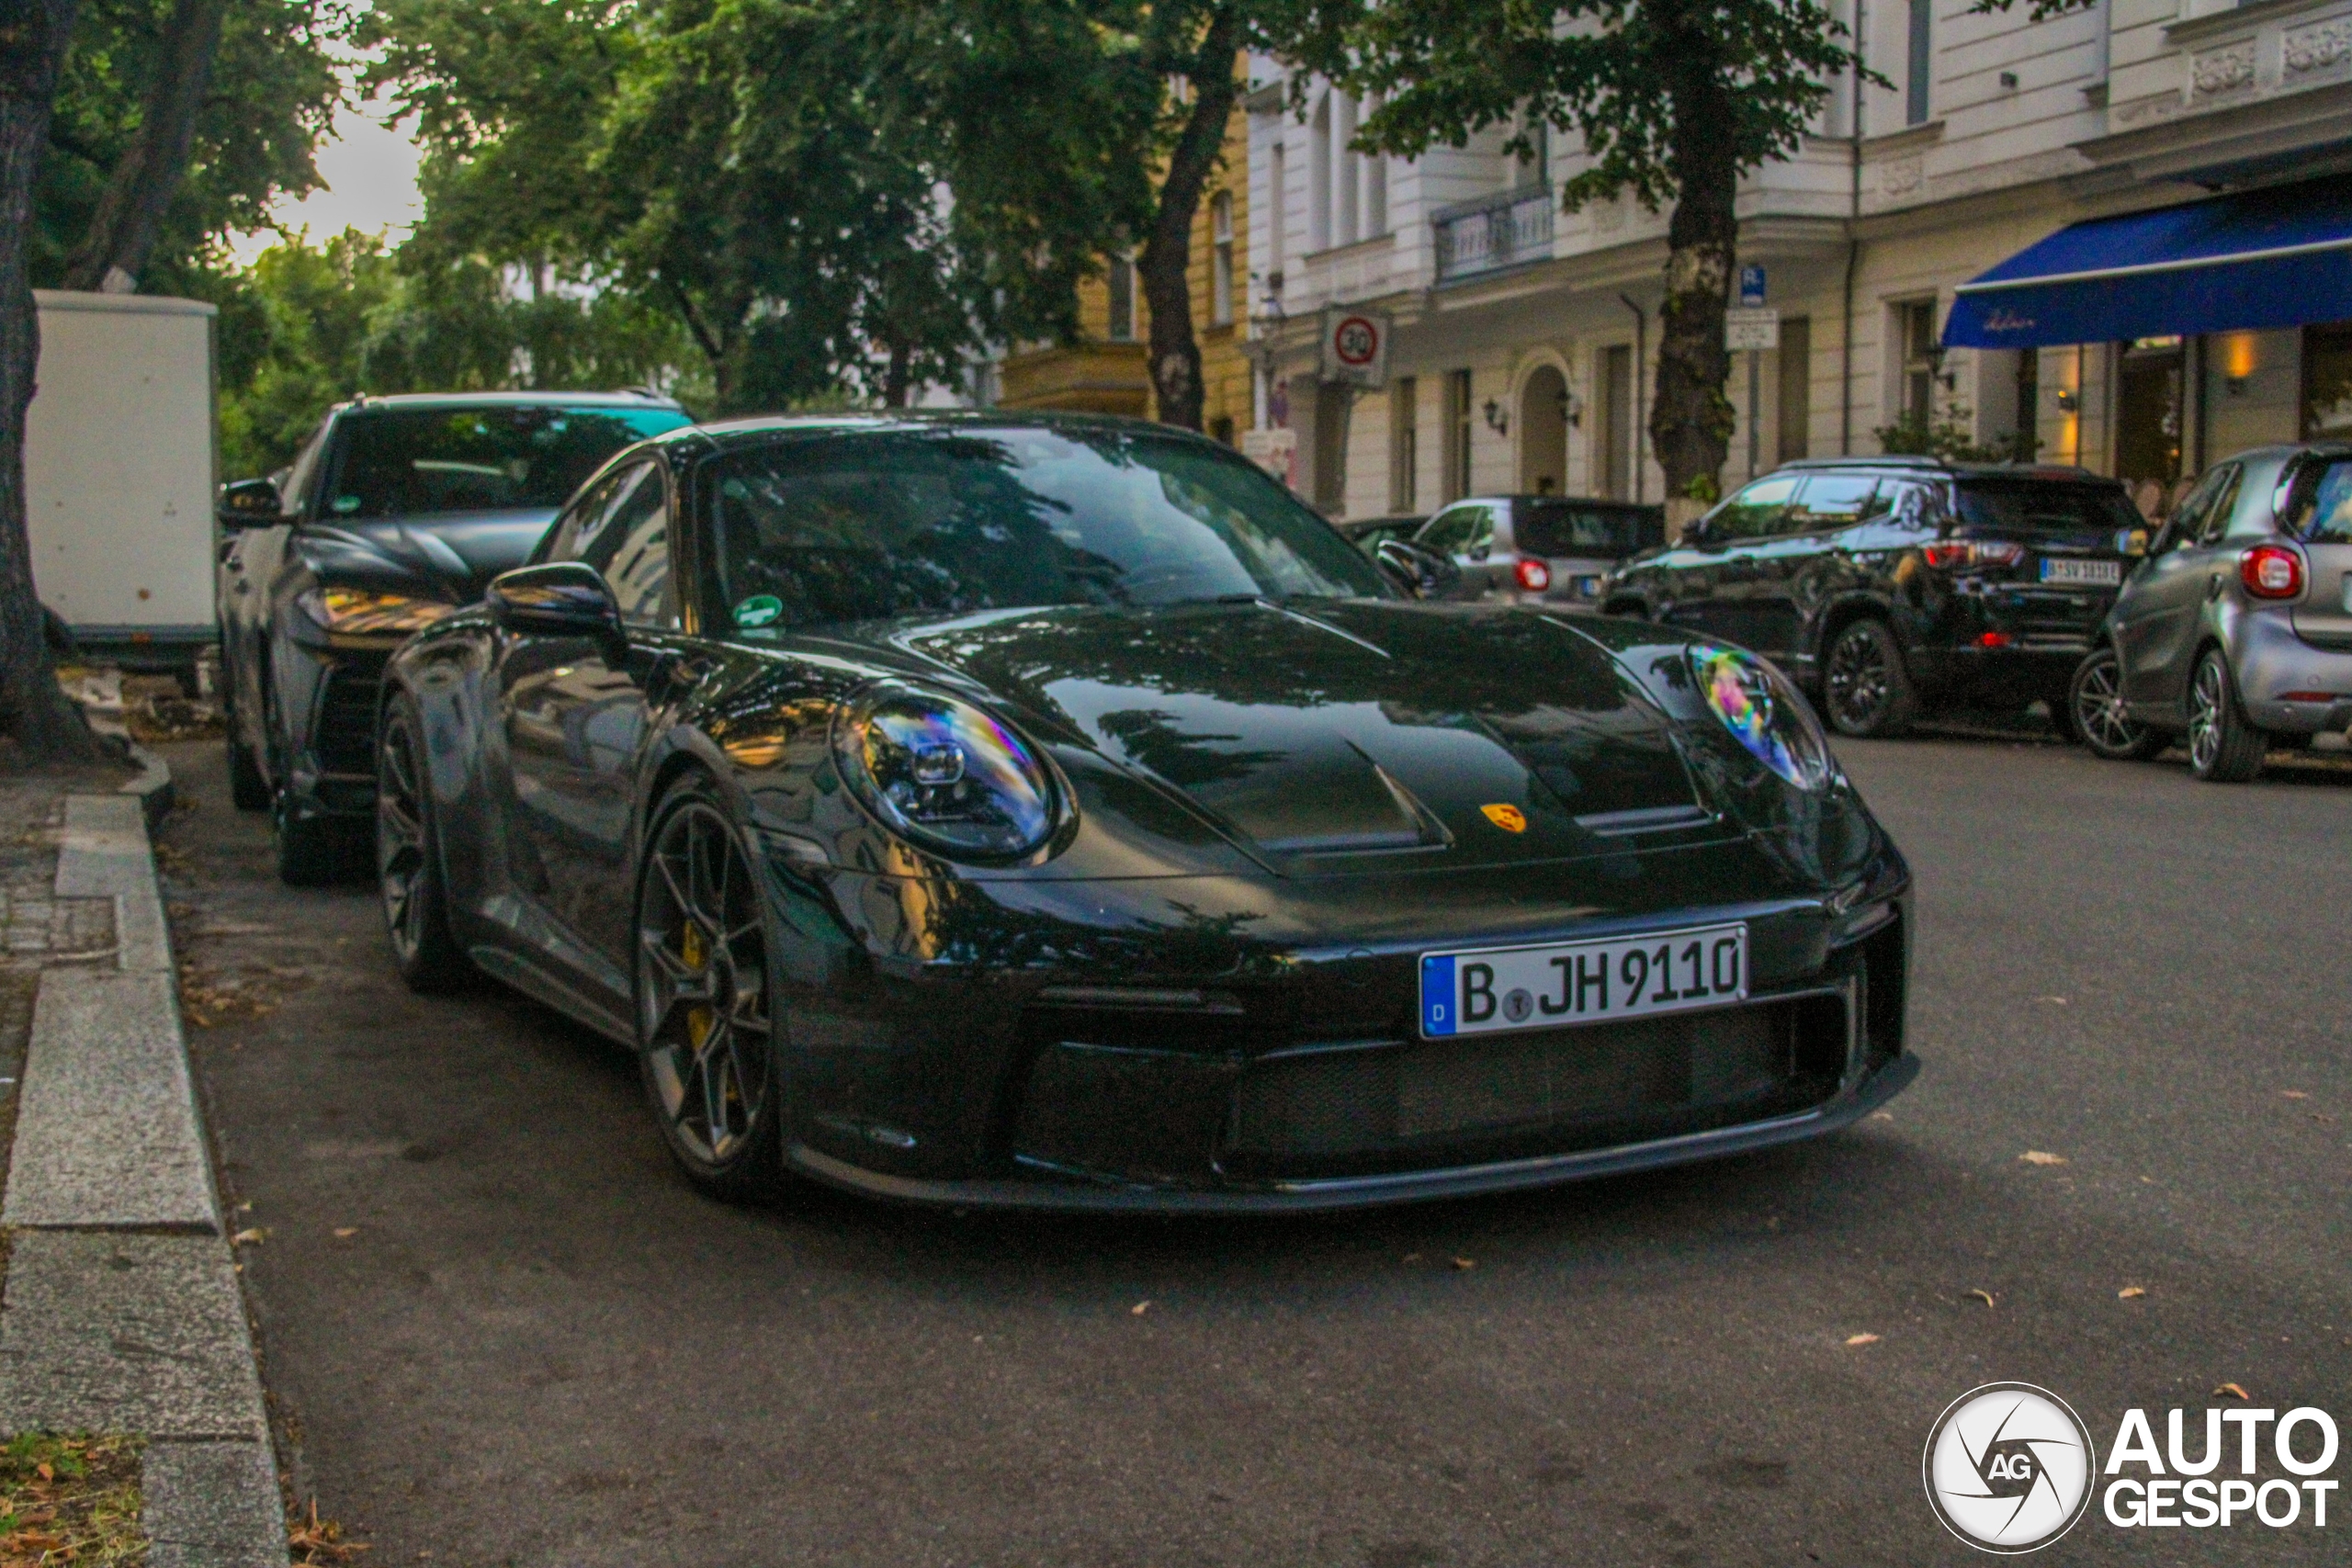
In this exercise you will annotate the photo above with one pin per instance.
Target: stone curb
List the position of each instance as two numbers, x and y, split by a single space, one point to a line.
123 1311
153 788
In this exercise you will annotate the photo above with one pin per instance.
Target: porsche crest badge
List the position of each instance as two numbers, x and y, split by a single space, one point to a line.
1510 819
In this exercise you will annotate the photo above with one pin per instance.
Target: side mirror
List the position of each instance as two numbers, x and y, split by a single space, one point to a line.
251 504
565 598
1694 532
1422 573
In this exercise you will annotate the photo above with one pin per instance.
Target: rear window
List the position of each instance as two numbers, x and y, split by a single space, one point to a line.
2021 507
1564 529
2331 513
417 462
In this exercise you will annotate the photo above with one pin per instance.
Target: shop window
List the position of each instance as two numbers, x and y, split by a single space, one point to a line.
1614 438
2327 382
1221 260
1915 333
1404 444
1795 409
1457 435
2148 408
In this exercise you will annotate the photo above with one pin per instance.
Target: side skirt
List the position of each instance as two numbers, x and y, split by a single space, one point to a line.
539 986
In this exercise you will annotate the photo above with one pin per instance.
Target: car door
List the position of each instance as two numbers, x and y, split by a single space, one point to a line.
1708 583
1795 564
1464 533
576 716
2320 516
2157 614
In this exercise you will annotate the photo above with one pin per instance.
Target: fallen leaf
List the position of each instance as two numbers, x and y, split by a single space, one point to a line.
246 1238
2131 1293
1984 1296
47 1473
344 1233
1140 1308
1863 1339
2234 1391
2293 1094
2060 1001
2040 1157
1412 1258
1464 1264
1881 1115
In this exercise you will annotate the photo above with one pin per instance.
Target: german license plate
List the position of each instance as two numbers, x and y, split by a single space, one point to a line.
1586 587
2088 573
1482 990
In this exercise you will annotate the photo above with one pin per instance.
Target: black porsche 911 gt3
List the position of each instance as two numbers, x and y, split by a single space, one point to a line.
1054 812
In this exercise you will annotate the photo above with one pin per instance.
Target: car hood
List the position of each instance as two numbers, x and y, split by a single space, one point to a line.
1341 730
451 555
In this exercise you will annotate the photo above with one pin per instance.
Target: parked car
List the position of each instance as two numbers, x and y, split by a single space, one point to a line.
2235 632
1368 533
1890 585
1538 549
1050 811
397 510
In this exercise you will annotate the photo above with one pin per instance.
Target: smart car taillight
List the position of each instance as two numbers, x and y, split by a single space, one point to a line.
2271 572
1534 575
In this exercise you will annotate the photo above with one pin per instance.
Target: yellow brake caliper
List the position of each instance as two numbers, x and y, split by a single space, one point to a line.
700 1020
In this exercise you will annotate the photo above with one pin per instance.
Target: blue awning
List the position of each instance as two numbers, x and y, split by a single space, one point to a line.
2280 257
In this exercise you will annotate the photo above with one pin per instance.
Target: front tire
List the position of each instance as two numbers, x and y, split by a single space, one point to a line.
1865 688
408 859
2222 747
704 1028
2095 703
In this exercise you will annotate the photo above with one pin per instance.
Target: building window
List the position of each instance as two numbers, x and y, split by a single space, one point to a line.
1318 177
2327 382
1457 435
1277 214
1915 324
1404 443
1535 168
1221 260
1795 391
1614 438
1347 174
1122 298
1915 94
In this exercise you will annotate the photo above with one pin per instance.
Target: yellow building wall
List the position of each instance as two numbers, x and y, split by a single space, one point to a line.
1097 375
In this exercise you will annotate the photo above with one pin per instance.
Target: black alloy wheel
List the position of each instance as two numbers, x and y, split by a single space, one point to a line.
2095 702
311 850
408 859
1867 690
705 1037
2222 747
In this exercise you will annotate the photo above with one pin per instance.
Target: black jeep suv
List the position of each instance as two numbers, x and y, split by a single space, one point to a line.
1885 585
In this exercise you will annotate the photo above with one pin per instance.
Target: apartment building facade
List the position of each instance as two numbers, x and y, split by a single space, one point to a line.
1522 339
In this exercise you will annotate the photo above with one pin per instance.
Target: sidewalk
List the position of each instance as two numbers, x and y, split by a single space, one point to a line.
122 1312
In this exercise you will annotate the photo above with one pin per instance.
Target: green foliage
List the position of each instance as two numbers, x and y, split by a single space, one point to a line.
1947 435
274 90
308 327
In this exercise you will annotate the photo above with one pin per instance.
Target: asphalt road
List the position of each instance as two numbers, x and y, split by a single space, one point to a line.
537 1345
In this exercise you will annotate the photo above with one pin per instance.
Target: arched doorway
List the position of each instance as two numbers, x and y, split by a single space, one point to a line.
1543 433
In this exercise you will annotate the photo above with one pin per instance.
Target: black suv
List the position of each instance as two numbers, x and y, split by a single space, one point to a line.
397 510
1887 583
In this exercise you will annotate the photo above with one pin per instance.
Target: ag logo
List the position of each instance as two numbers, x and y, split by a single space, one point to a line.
2008 1467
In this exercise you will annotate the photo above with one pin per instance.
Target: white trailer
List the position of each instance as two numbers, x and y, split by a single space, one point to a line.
120 482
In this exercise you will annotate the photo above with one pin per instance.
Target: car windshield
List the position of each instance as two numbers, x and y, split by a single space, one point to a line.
873 525
2011 506
1564 529
417 462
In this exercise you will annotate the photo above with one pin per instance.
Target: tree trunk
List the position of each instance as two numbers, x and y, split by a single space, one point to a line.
897 377
1167 253
139 190
47 727
1691 421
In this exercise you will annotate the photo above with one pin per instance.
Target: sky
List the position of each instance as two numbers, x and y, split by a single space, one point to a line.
370 174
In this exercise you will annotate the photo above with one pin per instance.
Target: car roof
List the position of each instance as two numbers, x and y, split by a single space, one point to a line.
622 399
1563 499
2055 473
751 429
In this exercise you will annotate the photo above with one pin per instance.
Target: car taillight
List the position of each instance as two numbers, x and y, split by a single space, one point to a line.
1532 575
1948 555
2271 572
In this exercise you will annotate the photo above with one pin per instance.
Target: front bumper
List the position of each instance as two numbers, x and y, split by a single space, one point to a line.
328 695
1187 1073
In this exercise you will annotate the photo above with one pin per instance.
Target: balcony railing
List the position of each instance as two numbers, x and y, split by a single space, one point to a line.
1493 232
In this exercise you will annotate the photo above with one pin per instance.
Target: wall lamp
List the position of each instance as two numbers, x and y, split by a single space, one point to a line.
2069 400
1497 420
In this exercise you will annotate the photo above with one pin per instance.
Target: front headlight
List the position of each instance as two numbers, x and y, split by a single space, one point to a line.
358 610
945 774
1764 713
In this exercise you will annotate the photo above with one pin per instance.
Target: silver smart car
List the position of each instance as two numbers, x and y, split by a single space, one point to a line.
2236 628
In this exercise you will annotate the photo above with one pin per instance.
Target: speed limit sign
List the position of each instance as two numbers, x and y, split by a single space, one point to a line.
1356 347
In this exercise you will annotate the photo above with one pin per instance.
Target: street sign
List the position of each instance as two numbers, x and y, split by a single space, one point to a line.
1356 347
1751 284
1751 327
